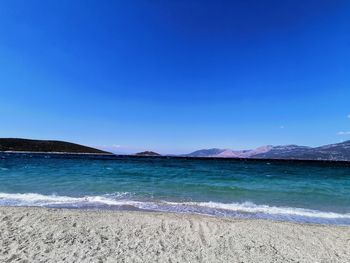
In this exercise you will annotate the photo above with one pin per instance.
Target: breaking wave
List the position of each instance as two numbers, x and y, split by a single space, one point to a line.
122 200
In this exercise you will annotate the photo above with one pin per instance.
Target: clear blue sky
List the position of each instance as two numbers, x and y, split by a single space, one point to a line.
176 76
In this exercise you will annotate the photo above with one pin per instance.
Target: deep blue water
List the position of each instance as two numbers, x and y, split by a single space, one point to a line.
296 191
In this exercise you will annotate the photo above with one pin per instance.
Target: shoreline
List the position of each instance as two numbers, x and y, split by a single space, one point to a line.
245 210
132 209
67 235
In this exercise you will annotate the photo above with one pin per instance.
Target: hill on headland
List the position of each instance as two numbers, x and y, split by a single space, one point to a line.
26 145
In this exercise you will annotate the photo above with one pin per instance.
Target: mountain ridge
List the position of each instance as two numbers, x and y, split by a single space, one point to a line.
337 151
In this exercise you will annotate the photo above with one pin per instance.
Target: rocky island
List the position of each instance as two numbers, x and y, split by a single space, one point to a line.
147 153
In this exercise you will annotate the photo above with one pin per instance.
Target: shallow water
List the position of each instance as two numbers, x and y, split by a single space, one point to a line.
295 191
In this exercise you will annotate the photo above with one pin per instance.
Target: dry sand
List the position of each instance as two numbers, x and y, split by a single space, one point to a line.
55 235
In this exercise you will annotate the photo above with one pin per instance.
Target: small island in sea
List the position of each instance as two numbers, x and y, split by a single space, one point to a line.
148 153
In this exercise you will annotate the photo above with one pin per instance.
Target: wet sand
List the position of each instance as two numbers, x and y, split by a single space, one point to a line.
62 235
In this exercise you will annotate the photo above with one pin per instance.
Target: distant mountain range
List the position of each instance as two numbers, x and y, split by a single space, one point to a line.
338 152
332 152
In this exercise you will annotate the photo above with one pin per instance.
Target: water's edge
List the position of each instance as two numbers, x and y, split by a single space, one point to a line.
246 210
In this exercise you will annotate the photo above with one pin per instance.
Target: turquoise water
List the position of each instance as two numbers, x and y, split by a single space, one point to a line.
301 192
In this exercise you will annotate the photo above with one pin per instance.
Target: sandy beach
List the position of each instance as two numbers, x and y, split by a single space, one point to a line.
62 235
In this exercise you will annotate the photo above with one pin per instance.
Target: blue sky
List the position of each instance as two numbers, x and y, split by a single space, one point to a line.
176 76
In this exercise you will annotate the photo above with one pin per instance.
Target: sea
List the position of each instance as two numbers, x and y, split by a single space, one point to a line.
295 191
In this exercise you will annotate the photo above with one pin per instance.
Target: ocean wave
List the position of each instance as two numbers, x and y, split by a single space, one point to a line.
245 209
249 207
33 199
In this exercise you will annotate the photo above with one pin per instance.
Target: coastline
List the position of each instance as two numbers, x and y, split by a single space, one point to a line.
67 235
325 162
63 153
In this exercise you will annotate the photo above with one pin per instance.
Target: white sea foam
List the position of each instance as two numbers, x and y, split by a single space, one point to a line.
120 199
249 207
34 199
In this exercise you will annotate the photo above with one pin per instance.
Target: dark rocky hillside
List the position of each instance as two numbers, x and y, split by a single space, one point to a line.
25 145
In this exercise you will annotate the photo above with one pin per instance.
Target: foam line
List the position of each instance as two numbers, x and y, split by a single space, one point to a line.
119 199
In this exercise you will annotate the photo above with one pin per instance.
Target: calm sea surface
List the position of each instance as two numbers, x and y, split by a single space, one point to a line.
300 192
